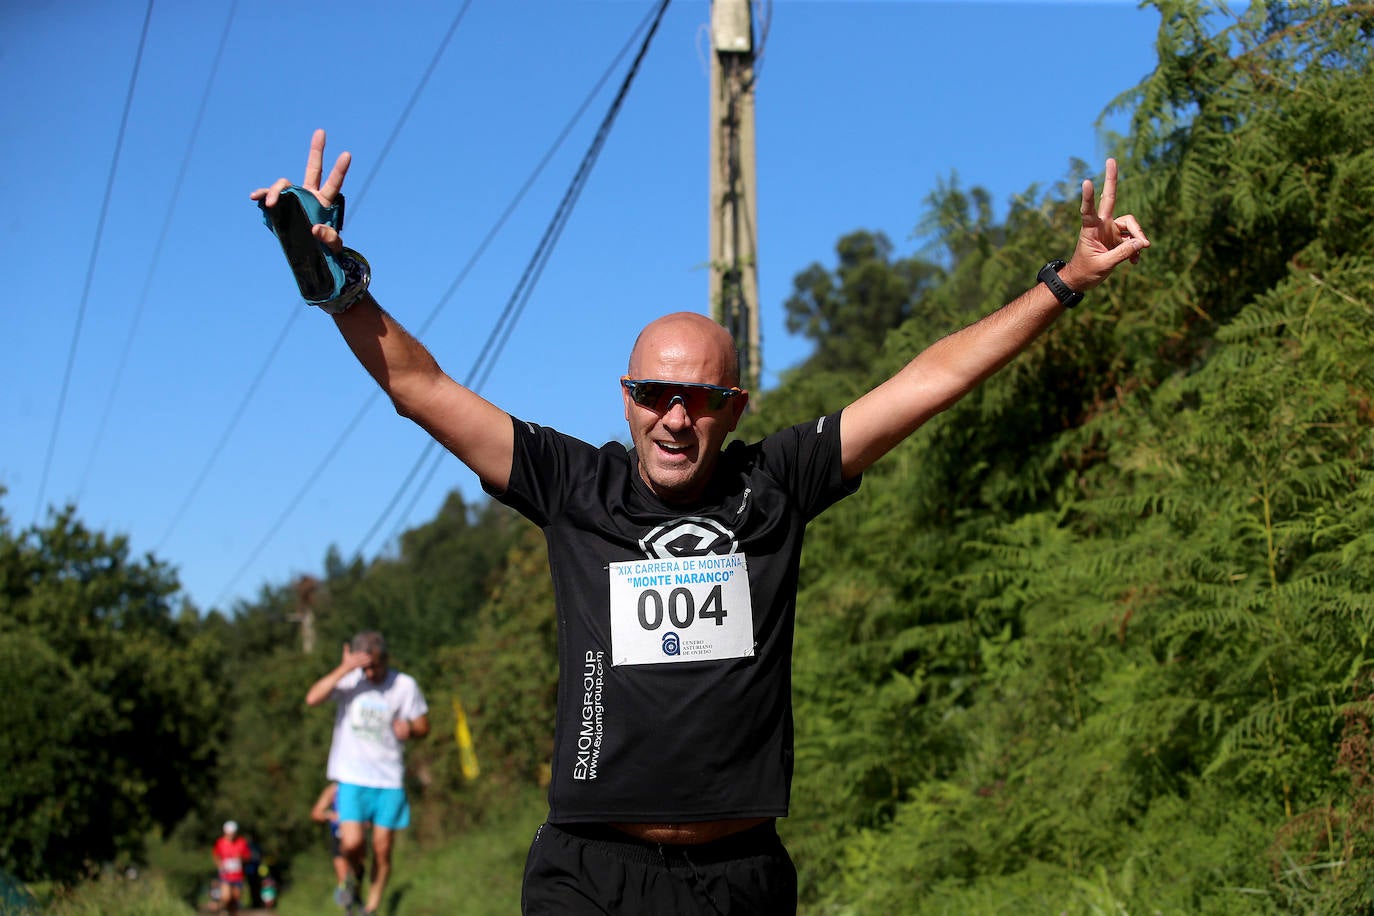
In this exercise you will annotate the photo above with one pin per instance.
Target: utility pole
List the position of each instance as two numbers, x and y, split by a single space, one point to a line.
307 587
734 288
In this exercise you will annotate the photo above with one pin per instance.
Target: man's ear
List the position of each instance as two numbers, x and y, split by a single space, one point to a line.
737 405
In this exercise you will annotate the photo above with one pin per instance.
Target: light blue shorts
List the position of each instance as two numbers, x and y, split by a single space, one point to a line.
381 807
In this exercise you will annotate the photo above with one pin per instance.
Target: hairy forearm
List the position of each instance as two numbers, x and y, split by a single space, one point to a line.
469 426
955 365
940 375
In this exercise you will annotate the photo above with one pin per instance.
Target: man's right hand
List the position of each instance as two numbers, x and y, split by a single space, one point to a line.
477 432
351 659
326 193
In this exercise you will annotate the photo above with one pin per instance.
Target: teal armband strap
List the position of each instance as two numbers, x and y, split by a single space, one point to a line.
357 276
321 276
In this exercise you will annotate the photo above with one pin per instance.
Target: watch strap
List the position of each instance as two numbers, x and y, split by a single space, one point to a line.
1049 275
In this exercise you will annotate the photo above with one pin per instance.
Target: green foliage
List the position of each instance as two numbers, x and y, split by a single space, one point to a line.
113 722
48 759
1102 630
847 314
112 894
507 676
428 596
271 773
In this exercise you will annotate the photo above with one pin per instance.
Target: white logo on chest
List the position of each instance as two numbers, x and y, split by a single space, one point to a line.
691 536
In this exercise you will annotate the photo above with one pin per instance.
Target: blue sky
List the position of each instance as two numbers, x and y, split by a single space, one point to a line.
210 417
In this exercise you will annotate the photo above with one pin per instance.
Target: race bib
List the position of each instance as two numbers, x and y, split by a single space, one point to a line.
683 609
370 717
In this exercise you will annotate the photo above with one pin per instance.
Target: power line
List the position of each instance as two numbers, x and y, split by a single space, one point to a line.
157 250
472 261
90 267
293 317
355 199
500 335
538 170
410 104
427 453
444 300
434 312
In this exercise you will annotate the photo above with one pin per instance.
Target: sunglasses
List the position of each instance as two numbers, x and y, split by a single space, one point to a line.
660 396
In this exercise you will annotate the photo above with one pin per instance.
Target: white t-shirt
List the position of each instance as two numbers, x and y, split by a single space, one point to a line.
365 751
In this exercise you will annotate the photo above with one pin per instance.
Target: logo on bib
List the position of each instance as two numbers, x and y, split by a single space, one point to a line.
671 644
691 536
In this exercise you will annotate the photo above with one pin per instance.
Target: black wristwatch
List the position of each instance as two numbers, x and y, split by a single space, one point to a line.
1049 275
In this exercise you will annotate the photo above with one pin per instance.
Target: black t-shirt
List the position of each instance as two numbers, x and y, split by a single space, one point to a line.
675 623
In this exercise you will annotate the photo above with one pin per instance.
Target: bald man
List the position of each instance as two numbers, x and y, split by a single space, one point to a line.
675 568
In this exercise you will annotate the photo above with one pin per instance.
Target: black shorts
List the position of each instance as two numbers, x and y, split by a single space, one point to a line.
586 869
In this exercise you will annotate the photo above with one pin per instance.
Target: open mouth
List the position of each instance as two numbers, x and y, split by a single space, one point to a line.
674 448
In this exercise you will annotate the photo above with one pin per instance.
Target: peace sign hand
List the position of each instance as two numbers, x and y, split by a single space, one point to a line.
325 194
1104 240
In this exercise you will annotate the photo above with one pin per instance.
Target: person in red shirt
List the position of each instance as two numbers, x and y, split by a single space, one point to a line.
231 852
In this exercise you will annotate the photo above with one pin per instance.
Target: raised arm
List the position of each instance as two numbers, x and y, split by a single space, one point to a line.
348 660
954 365
478 432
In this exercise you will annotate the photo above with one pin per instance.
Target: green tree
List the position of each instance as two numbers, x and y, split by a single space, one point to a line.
1117 660
847 313
428 595
117 721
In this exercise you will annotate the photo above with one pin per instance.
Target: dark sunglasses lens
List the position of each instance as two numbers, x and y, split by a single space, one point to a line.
648 394
659 396
715 398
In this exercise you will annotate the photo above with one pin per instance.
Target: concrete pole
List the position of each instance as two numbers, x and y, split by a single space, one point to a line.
734 286
307 588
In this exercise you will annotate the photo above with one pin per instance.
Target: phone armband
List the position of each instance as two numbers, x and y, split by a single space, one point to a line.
320 275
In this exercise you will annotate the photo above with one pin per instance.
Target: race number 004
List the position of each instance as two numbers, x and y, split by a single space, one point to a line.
681 608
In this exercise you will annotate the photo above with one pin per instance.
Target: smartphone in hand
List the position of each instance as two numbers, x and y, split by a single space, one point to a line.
304 253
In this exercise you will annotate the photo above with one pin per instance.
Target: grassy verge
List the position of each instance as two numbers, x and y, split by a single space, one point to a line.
111 895
474 874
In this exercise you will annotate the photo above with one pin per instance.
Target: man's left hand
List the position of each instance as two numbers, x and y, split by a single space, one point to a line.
1105 240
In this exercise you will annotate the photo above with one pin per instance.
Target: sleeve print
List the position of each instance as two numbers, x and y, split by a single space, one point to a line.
537 469
818 475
